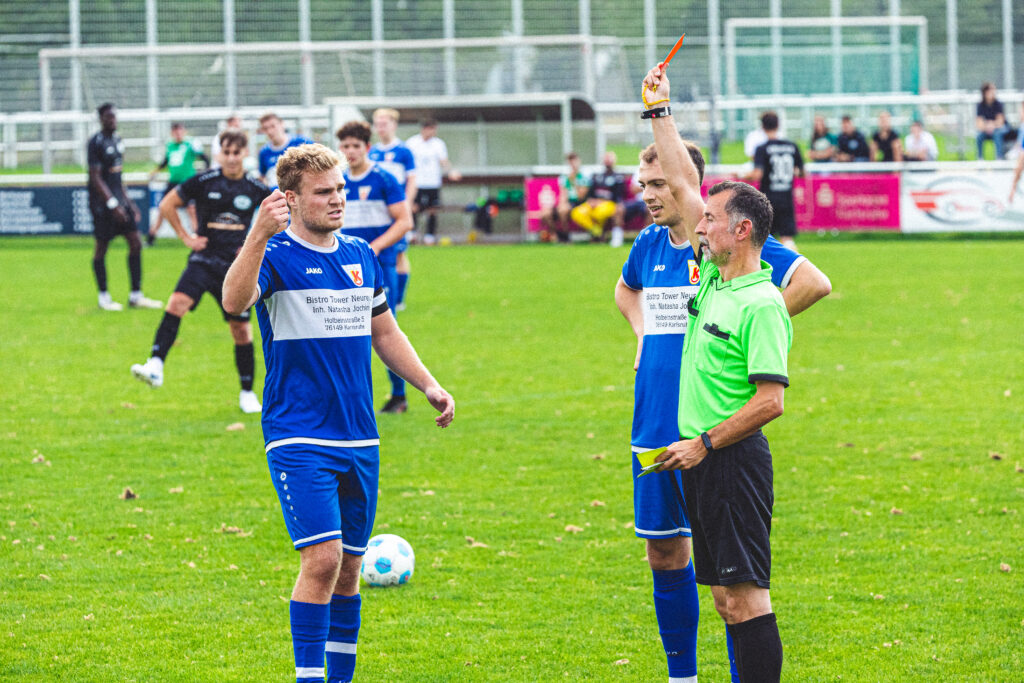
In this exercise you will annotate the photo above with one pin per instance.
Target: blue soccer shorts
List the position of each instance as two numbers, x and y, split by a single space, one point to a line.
326 493
659 510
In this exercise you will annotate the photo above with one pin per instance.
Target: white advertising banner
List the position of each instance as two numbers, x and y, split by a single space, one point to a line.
967 201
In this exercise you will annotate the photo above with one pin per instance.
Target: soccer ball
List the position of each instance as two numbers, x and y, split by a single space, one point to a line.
389 561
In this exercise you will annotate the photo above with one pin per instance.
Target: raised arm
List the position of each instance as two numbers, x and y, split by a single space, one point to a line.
680 173
241 284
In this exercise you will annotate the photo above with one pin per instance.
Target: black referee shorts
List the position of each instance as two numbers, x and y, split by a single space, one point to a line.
200 277
729 496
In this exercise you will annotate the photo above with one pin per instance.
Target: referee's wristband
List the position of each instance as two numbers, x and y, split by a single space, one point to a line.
112 203
656 113
706 439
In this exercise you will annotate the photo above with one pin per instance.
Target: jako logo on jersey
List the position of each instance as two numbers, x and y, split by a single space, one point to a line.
314 271
364 192
658 268
214 195
355 271
694 270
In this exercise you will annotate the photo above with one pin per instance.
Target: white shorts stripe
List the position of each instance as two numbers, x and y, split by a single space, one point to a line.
309 672
337 443
670 532
680 679
343 648
353 548
307 539
644 449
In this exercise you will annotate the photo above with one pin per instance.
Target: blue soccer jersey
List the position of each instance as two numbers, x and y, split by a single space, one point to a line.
669 276
314 310
396 159
367 198
269 155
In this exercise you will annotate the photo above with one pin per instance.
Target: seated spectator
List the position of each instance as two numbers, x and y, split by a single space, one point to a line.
603 208
920 144
572 188
990 121
851 145
823 143
886 140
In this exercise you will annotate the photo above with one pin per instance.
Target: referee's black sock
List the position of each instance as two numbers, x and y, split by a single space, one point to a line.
431 223
165 335
758 649
99 268
135 269
245 361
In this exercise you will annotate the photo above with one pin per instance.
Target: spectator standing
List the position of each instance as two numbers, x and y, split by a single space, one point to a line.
851 145
823 142
886 140
920 144
990 121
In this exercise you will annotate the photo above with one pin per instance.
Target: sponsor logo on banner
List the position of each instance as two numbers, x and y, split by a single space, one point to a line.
694 270
355 271
938 201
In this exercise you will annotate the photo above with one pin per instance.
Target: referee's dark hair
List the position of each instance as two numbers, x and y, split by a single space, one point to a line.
359 130
104 108
747 203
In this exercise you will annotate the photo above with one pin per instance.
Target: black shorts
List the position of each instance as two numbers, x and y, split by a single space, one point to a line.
427 197
105 225
784 222
200 277
729 497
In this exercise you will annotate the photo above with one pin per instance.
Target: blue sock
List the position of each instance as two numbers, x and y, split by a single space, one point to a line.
397 384
678 609
341 642
734 674
309 635
403 282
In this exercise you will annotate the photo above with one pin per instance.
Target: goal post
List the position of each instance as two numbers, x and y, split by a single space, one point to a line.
817 55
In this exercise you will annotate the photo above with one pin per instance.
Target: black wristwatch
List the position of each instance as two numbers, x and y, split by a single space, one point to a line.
707 441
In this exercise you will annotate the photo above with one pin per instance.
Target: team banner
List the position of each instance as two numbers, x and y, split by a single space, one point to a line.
950 201
62 210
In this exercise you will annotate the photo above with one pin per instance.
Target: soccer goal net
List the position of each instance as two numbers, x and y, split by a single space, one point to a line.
817 55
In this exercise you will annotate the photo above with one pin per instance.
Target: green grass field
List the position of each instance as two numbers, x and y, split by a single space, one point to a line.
899 484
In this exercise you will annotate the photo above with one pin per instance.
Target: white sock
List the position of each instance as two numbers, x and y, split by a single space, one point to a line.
135 295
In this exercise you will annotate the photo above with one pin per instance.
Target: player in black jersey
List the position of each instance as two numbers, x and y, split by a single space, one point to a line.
776 163
113 211
226 199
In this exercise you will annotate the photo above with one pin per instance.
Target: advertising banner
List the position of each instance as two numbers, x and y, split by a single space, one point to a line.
62 210
950 201
539 193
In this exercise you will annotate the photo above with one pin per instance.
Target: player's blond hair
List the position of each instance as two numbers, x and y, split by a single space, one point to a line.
298 161
387 111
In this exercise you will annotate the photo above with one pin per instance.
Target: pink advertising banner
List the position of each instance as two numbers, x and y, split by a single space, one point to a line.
862 201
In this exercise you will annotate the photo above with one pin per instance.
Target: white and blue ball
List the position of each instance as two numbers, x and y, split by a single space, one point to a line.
388 561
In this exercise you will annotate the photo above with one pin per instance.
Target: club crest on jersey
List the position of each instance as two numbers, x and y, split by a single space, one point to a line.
364 192
694 270
242 202
355 271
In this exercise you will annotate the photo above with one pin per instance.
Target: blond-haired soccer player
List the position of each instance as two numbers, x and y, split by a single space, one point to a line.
321 307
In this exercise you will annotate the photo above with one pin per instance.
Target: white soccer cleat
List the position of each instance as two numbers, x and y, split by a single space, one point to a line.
151 372
249 402
108 304
144 302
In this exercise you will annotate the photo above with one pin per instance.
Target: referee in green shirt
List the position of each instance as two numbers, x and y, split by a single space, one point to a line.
733 379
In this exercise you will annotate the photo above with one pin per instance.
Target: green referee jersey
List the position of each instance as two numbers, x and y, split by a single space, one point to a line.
181 159
739 334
